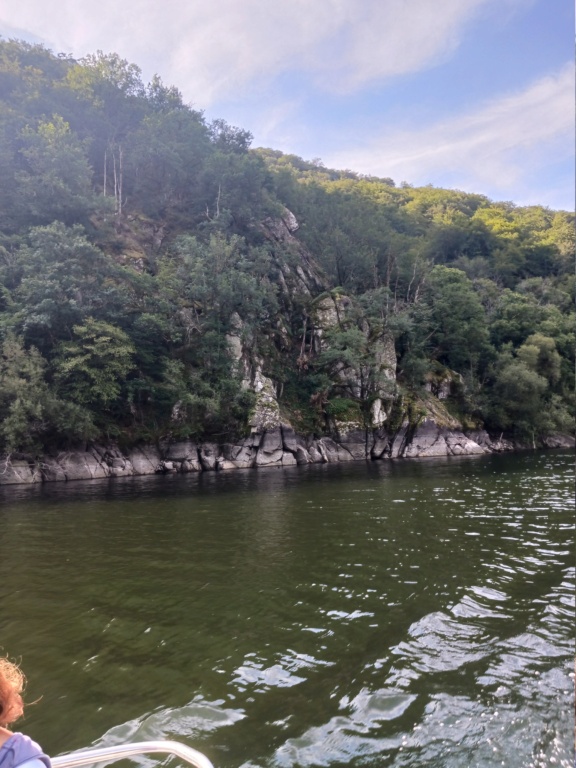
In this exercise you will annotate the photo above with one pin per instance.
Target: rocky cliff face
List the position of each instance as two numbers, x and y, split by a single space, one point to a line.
298 274
272 441
374 375
276 447
300 280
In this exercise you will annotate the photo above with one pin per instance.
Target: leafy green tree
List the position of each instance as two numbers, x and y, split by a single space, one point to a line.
520 399
111 104
11 127
164 98
91 368
63 280
230 138
31 415
206 399
166 156
558 292
515 318
539 354
22 395
517 398
446 206
411 327
235 186
218 278
562 328
459 328
463 240
56 182
562 234
499 219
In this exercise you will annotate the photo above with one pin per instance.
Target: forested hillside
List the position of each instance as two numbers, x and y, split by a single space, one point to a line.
139 243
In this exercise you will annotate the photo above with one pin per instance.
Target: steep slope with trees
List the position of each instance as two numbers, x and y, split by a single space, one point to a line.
157 275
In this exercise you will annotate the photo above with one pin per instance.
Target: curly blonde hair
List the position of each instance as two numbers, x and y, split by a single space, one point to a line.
12 682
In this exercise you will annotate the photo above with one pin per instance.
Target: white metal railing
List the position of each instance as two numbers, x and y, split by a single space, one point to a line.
122 751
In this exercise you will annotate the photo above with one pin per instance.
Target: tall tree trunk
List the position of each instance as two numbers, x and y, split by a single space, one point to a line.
115 181
120 177
118 169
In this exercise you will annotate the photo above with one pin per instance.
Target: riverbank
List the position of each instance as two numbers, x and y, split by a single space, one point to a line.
278 447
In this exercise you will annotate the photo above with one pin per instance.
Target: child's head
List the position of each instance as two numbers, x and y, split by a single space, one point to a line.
12 683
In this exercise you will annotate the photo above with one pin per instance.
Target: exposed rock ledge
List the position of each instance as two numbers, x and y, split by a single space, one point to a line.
278 447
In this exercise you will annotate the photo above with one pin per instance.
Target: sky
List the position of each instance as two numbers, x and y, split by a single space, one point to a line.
476 95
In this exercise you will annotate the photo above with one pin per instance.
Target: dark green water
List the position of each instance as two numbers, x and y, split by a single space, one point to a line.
413 613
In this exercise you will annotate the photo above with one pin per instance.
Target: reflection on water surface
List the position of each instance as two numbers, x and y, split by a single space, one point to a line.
387 614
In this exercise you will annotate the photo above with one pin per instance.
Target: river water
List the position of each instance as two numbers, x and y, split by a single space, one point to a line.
400 613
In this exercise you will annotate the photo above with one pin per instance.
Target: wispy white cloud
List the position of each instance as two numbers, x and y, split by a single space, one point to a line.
501 146
278 124
218 48
244 53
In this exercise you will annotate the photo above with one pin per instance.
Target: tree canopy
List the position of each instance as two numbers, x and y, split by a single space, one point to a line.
135 240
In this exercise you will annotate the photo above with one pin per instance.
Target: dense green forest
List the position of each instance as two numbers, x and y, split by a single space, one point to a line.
131 243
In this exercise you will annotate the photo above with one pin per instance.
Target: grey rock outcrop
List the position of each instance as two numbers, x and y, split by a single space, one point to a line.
145 460
377 365
491 445
430 440
18 472
266 411
79 465
302 275
270 451
560 441
209 455
239 455
276 447
183 456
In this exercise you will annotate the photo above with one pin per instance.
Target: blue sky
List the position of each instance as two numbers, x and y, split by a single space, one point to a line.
470 94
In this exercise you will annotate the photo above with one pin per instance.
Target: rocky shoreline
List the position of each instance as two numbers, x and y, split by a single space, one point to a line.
277 447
